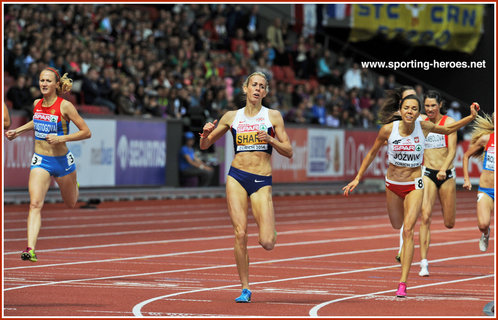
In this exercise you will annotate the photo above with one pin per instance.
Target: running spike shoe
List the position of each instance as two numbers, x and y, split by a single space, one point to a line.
401 293
29 254
245 297
483 242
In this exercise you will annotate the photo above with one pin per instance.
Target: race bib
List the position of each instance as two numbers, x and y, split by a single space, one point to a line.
36 160
419 183
70 158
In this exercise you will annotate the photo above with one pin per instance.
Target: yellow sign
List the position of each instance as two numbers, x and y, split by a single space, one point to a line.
446 26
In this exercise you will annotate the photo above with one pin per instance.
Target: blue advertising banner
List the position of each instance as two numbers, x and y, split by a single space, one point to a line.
140 153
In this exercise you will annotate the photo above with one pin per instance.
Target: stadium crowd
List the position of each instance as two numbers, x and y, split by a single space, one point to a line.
184 61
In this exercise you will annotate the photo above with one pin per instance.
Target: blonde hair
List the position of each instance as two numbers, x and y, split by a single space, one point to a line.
482 125
257 73
65 83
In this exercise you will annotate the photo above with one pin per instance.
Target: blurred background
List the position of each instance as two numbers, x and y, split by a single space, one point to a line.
146 74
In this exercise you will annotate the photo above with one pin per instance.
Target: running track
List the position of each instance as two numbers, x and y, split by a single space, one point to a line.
334 257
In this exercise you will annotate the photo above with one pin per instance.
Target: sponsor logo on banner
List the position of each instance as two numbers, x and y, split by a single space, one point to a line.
447 26
141 153
325 157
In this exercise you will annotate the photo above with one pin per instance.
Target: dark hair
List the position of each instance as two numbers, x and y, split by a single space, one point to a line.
433 94
411 97
388 111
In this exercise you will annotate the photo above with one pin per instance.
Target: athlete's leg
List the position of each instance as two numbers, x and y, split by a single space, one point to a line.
447 196
262 209
69 189
39 182
484 208
395 209
430 194
413 202
237 208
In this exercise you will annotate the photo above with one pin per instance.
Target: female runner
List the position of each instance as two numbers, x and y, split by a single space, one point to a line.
256 131
51 117
404 185
483 141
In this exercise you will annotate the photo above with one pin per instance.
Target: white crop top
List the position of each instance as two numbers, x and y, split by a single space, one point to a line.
245 130
406 151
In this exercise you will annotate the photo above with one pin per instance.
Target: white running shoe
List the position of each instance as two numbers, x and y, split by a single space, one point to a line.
424 268
483 242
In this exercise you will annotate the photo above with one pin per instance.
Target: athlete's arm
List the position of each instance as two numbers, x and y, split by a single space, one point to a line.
382 137
281 143
70 113
428 126
14 133
473 149
211 133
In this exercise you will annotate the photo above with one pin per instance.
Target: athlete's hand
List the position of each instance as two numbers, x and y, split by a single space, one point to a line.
53 139
11 134
466 184
441 175
263 136
350 187
208 128
474 108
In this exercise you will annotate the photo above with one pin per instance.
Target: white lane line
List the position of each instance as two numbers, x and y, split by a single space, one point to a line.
311 242
225 266
434 222
314 311
137 309
295 213
176 211
196 220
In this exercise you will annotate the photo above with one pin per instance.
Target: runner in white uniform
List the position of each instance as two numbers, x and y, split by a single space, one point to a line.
256 132
403 179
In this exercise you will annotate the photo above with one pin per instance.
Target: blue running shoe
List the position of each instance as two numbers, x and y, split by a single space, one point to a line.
245 297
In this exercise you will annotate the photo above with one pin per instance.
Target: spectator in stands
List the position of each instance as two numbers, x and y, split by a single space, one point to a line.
239 41
352 77
251 22
334 118
126 102
419 90
95 90
190 165
324 71
15 61
454 112
319 111
380 87
367 79
366 119
391 82
275 37
20 96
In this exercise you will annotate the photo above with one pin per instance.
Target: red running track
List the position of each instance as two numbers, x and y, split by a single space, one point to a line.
334 257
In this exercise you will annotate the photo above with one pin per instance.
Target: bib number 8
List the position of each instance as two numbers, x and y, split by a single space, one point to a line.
419 183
